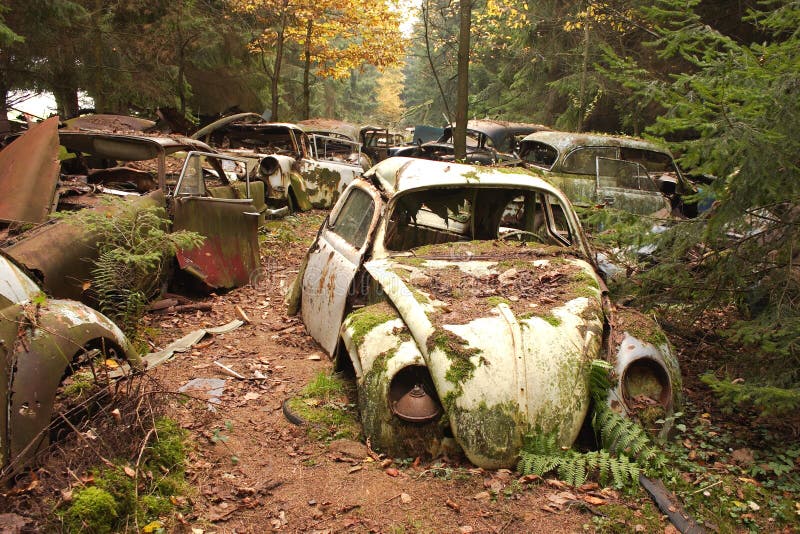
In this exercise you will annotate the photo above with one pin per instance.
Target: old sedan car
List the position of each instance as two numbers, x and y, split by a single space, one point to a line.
467 303
43 341
297 168
626 173
47 169
488 142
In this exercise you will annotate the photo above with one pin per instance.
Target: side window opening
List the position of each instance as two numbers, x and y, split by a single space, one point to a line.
583 160
192 182
353 220
538 154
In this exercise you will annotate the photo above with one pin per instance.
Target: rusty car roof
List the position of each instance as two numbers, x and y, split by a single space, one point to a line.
253 120
562 141
127 147
399 174
336 126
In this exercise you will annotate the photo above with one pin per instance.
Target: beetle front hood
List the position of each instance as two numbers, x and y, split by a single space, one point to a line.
507 332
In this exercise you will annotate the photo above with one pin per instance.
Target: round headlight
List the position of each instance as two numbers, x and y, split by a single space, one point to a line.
645 382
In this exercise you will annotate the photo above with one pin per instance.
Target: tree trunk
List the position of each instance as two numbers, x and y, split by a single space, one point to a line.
5 124
584 75
430 61
66 100
307 72
276 75
462 94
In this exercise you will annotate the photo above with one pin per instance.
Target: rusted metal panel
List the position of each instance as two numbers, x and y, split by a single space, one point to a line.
29 174
61 254
110 123
229 254
38 344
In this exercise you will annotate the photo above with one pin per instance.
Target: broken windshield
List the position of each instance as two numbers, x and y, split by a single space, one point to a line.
444 215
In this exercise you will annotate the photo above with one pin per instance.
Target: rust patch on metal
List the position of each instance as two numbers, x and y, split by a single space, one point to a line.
229 254
29 174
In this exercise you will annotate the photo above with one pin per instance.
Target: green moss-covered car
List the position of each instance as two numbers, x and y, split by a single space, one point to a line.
467 303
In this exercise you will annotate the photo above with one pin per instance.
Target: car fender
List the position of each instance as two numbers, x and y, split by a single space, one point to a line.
643 363
47 340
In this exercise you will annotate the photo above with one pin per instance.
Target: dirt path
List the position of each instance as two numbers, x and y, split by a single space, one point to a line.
253 471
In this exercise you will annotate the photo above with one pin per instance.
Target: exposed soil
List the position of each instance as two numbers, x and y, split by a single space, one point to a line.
251 470
269 475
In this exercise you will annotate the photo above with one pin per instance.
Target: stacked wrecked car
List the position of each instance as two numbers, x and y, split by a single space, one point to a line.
45 339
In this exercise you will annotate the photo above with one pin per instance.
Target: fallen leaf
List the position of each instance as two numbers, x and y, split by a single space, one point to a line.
392 472
452 505
251 395
482 496
355 469
596 501
129 471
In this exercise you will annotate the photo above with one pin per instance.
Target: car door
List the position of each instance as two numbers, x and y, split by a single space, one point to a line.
334 261
229 254
626 185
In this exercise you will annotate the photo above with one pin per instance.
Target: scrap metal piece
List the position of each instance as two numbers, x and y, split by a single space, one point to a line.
29 174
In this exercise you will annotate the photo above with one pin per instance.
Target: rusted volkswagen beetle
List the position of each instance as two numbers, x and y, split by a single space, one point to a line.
466 301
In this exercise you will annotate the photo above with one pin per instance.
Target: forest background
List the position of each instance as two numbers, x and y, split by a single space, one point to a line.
719 80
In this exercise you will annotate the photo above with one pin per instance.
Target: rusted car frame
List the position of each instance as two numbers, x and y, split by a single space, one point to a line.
60 253
489 142
467 303
626 173
288 164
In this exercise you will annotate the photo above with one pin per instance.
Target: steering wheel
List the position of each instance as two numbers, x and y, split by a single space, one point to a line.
518 235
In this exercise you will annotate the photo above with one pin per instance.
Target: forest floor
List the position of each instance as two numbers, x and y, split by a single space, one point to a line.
251 470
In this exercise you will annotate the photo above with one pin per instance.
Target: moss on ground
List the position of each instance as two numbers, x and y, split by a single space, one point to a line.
325 406
115 501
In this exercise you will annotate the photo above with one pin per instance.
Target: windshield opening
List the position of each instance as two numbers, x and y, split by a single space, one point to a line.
444 215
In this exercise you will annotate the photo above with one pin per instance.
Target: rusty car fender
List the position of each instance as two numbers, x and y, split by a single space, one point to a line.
47 338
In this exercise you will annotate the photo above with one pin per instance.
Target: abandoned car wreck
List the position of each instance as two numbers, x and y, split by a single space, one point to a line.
47 170
626 173
297 169
44 342
467 303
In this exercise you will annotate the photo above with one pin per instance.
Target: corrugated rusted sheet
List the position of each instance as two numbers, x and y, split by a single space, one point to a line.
29 174
229 255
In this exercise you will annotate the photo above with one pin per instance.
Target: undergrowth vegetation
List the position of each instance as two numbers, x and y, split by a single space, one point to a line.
135 248
326 408
626 450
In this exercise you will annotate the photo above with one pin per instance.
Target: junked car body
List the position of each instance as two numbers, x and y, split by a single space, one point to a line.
488 142
299 169
466 301
42 341
74 170
626 173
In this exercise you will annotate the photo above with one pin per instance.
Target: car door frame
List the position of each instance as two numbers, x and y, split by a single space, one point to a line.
332 265
225 259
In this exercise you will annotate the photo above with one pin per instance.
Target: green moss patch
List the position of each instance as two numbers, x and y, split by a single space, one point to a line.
363 320
327 409
116 499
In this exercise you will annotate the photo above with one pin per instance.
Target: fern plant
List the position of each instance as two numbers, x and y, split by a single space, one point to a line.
626 449
134 249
